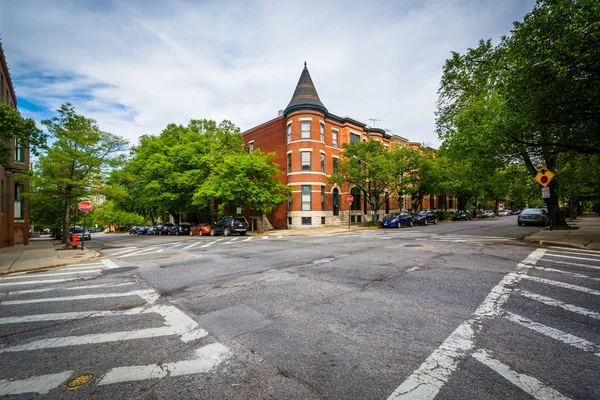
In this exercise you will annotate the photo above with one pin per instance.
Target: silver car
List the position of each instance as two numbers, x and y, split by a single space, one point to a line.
533 216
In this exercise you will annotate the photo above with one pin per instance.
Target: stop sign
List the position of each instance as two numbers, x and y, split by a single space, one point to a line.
350 198
85 206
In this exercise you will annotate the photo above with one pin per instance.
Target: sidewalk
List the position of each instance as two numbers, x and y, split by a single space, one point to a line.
586 234
41 253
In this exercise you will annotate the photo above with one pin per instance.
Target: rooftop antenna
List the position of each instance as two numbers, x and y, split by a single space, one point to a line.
374 120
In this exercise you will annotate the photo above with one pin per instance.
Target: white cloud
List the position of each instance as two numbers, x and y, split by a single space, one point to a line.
137 66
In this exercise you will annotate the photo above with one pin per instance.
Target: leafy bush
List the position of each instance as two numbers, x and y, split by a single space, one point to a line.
443 215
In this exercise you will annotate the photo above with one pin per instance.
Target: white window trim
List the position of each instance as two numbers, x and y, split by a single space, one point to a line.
305 183
308 172
305 119
306 149
289 151
322 152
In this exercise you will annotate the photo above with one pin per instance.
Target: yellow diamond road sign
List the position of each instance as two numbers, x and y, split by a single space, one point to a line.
544 176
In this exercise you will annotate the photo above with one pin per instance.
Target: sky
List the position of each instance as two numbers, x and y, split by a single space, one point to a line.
136 66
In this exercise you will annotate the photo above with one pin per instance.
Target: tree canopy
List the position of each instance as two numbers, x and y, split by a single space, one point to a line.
14 126
534 99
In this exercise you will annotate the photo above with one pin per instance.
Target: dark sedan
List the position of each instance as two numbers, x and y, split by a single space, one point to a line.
424 217
462 215
180 229
533 216
397 220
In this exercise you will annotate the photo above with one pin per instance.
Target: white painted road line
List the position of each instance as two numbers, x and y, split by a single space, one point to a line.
178 244
41 275
104 285
177 323
143 252
191 245
557 303
426 381
560 271
37 384
207 358
570 248
573 258
247 239
526 383
577 252
37 282
144 294
571 263
554 333
68 316
211 243
123 251
265 237
562 285
109 264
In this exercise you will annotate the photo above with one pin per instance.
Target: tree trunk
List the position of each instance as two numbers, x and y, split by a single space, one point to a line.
67 221
556 215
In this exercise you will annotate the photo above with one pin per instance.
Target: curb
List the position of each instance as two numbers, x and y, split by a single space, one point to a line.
96 255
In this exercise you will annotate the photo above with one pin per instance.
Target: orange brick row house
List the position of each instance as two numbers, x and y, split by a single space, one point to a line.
14 208
307 140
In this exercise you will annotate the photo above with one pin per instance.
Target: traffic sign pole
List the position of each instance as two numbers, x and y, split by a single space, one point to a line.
349 199
85 207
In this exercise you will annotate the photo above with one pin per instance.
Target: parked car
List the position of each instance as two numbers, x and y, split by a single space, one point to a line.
462 215
229 225
503 213
80 233
534 216
163 229
142 230
424 217
133 230
488 214
202 230
396 220
151 230
180 229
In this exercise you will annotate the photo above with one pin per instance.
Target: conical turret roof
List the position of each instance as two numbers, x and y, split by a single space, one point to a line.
305 95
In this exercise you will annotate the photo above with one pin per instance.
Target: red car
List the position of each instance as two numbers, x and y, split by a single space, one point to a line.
202 229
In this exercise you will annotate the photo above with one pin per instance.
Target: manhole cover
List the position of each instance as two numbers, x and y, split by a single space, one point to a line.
37 271
118 270
413 245
80 381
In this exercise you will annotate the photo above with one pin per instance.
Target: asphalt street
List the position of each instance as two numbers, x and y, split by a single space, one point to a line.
461 310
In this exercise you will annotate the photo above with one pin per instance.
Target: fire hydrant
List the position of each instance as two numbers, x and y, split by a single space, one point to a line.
75 240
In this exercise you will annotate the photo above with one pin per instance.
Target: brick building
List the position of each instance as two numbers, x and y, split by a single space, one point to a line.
307 140
14 208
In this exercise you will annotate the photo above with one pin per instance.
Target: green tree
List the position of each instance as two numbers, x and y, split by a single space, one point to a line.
79 150
378 172
164 172
534 98
14 127
244 178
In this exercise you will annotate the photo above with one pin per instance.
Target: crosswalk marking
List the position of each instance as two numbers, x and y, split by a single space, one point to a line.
211 243
572 263
560 271
526 383
574 252
557 303
103 285
570 248
554 333
247 239
177 323
191 245
562 285
41 274
124 250
427 380
38 282
207 358
573 258
149 295
38 384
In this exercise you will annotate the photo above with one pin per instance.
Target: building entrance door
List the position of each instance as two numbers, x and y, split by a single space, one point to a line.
336 202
